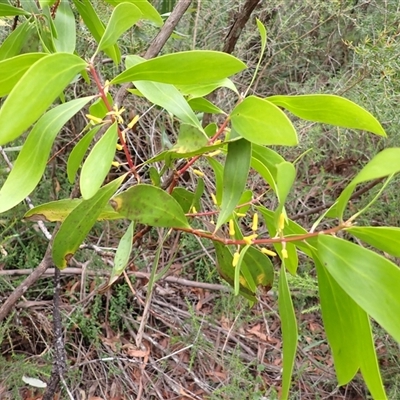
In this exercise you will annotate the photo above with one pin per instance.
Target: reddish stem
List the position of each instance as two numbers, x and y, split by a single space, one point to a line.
236 242
109 108
195 158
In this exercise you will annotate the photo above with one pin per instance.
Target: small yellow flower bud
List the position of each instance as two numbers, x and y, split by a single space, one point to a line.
235 260
241 214
214 153
268 252
214 199
255 222
115 164
281 223
194 211
198 172
133 122
94 119
284 253
119 147
231 228
249 239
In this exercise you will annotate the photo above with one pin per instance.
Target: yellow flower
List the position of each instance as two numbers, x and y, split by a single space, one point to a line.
214 199
235 260
198 173
284 253
231 228
268 252
249 239
281 223
255 222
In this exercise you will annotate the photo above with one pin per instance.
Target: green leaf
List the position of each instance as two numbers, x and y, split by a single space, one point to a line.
96 27
14 42
12 70
99 109
122 18
385 163
79 223
196 90
289 332
227 271
369 362
189 67
262 122
349 333
184 198
31 162
98 163
148 11
9 11
19 111
78 152
150 205
219 177
64 23
164 95
57 211
369 279
339 313
242 274
329 109
190 139
383 238
236 170
286 174
203 105
48 3
260 267
123 254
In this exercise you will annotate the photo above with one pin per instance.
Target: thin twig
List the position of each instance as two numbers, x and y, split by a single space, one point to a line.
158 42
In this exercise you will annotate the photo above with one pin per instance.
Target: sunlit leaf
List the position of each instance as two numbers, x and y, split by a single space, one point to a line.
80 221
12 70
349 334
339 313
164 95
122 255
31 162
9 11
219 177
96 27
385 163
289 332
65 25
19 111
369 279
236 170
262 122
150 205
201 90
190 139
148 11
382 237
203 105
124 16
57 211
190 67
14 42
329 109
98 163
78 153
